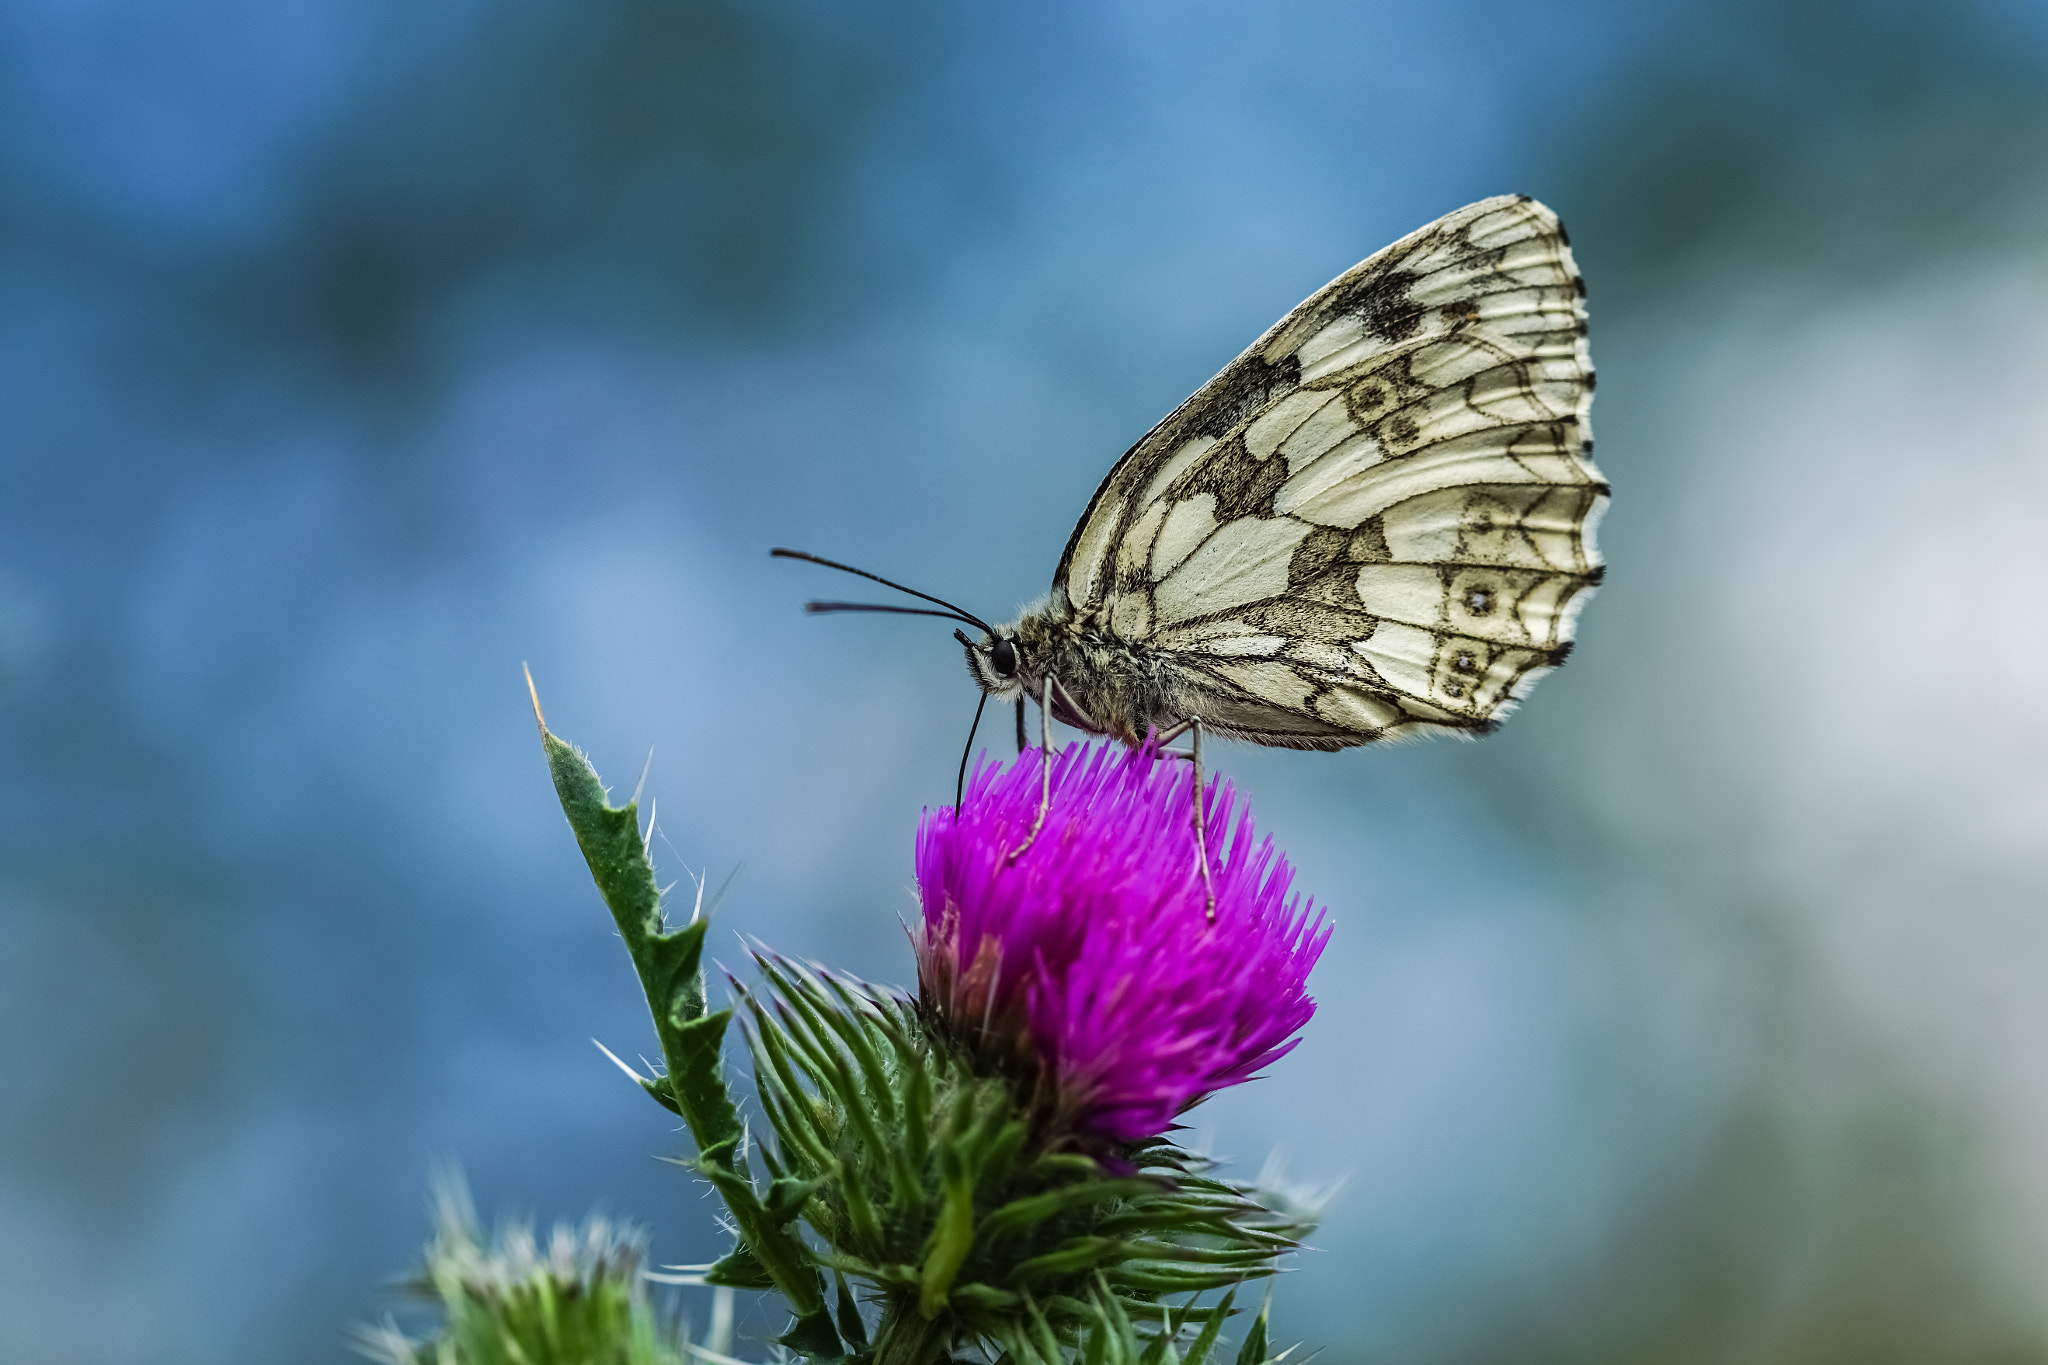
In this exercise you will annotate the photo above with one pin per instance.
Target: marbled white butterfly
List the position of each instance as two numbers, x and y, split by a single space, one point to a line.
1375 523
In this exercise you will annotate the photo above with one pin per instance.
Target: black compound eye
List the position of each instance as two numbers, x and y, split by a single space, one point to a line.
1003 658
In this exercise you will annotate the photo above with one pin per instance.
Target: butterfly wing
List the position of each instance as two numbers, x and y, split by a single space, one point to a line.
1379 520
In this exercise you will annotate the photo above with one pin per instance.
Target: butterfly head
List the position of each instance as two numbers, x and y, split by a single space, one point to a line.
996 660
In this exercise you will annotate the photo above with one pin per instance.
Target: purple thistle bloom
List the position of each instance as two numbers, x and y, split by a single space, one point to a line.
1094 951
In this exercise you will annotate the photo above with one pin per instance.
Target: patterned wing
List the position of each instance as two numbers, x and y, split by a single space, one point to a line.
1379 520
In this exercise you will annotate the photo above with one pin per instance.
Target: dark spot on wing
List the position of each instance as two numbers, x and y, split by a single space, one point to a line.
1243 391
1324 569
1298 616
1369 543
1320 549
1244 487
1382 301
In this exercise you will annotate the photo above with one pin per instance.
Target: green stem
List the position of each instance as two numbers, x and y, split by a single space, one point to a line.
905 1336
670 966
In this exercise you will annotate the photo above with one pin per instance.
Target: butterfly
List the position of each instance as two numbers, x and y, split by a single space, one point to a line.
1377 523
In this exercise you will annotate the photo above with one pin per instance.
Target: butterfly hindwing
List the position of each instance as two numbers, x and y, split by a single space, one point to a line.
1377 520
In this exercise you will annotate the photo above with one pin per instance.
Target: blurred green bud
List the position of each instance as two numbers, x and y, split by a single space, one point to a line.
577 1300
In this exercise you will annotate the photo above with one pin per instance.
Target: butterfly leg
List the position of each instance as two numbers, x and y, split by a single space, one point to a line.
1201 829
1164 738
1022 742
1044 767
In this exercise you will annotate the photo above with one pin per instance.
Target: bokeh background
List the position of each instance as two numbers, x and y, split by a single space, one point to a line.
353 353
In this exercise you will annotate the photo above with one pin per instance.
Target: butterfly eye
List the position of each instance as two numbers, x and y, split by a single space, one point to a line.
1003 658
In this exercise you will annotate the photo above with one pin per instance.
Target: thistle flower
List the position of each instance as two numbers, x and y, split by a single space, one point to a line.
1092 954
933 1180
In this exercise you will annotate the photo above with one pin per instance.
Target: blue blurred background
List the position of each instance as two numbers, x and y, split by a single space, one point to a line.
351 354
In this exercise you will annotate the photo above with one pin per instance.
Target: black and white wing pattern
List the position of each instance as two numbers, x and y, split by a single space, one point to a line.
1379 520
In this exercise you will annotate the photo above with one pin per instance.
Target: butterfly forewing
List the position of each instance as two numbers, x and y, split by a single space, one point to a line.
1377 520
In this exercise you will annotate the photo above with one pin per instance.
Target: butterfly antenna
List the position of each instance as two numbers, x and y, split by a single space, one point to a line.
959 614
827 608
960 782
